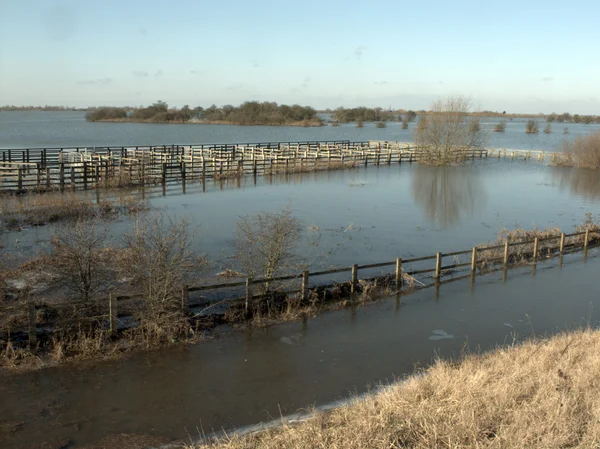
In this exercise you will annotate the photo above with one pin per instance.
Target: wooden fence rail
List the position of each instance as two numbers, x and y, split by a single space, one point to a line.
481 257
85 168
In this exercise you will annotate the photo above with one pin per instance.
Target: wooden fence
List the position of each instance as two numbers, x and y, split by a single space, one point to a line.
304 287
86 168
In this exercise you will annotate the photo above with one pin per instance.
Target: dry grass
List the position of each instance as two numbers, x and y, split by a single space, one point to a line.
41 209
541 394
520 254
583 152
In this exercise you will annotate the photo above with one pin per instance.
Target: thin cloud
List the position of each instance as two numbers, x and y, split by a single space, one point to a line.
547 79
98 81
143 31
158 74
380 83
196 72
254 63
358 52
140 73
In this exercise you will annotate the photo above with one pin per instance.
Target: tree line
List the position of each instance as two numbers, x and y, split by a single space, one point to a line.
248 113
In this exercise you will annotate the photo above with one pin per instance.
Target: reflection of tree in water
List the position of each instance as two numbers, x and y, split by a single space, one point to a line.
447 193
584 182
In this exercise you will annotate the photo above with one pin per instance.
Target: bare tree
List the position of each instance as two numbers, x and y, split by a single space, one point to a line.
160 261
267 242
447 133
77 261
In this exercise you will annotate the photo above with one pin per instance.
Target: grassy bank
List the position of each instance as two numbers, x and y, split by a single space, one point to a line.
541 394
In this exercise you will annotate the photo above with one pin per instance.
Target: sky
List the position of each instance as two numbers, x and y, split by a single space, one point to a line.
515 56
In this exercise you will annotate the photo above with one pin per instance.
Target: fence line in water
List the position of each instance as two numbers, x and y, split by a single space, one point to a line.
303 294
85 168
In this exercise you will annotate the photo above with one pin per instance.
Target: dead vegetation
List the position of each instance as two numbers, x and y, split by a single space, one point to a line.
583 152
491 254
539 394
41 209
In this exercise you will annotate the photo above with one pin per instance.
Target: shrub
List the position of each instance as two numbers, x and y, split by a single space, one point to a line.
266 243
531 127
475 126
380 125
500 127
548 128
566 130
159 261
404 124
583 151
359 124
77 260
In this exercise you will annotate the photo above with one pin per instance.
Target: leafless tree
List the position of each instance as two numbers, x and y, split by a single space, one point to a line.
160 261
447 132
77 260
266 243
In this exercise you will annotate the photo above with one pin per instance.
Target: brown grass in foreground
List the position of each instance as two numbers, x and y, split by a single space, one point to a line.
541 394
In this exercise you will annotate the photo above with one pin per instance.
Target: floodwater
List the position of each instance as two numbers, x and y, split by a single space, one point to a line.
241 377
375 214
30 129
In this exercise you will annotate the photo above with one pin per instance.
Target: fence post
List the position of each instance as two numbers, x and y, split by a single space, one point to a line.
535 249
354 278
112 311
474 260
506 254
85 175
438 265
185 296
587 239
398 273
248 294
562 242
31 315
304 293
20 178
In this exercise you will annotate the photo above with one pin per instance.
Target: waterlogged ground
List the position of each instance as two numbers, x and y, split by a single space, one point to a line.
245 377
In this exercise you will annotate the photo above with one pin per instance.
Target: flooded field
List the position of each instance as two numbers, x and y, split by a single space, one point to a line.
374 214
243 377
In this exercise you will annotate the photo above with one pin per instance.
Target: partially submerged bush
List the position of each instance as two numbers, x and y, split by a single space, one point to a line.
266 244
380 125
500 127
159 261
77 260
447 133
548 128
583 151
531 127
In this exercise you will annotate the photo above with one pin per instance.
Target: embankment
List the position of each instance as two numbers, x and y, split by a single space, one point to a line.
543 393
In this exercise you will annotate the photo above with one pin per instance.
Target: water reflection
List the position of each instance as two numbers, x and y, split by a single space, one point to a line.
447 194
579 181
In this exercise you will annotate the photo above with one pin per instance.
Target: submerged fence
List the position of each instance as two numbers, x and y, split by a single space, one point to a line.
86 168
402 276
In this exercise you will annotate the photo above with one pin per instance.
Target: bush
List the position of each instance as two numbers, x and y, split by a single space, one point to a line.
583 151
548 128
500 127
446 134
380 125
266 243
404 124
359 124
531 127
159 261
566 131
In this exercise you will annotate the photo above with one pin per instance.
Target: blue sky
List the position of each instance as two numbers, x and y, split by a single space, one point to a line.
519 56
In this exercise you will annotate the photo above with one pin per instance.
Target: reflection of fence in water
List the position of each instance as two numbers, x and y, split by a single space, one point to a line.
304 288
